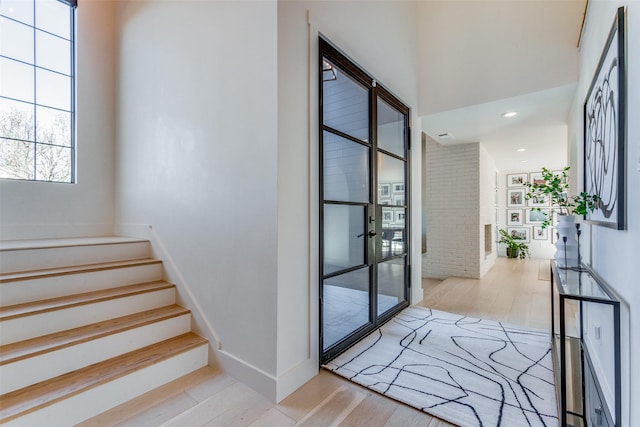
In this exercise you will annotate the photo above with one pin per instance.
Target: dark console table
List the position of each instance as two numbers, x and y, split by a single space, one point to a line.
583 399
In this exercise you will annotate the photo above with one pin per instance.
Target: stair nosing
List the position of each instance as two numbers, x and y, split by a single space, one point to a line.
75 269
65 389
127 323
89 298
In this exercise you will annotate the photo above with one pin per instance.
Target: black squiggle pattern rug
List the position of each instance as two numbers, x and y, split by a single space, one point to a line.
470 372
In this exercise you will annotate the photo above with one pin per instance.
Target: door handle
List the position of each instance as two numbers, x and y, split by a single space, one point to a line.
372 233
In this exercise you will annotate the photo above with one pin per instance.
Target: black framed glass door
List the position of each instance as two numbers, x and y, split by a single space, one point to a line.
364 265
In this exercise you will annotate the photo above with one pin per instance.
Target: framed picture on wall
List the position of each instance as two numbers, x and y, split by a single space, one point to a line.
515 198
604 131
535 216
398 200
517 179
384 191
540 233
536 178
387 217
520 233
538 201
514 217
398 187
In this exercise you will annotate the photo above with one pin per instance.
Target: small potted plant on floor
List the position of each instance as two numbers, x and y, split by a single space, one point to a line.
515 247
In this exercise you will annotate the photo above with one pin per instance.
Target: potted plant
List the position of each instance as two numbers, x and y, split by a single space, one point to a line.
555 187
515 247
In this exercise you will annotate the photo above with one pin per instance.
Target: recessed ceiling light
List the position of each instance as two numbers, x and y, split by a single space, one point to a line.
509 114
520 150
524 161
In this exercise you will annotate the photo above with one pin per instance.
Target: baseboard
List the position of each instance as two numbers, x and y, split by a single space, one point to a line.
54 231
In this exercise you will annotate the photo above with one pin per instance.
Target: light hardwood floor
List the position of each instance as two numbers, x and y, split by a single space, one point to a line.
511 292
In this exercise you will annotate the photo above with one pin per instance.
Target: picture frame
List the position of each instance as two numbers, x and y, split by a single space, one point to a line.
539 201
540 233
521 233
515 198
398 200
517 179
514 217
398 217
398 187
536 178
535 216
387 217
384 191
605 131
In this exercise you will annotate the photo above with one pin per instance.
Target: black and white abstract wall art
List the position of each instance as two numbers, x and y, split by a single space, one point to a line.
605 131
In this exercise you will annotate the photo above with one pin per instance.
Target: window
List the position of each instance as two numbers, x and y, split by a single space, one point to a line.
37 90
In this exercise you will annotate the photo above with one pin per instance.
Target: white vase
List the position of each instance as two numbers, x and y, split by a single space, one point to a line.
567 253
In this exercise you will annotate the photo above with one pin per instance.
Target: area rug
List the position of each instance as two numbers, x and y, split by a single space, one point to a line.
470 372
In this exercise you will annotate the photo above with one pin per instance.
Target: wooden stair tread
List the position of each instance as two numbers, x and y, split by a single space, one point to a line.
35 307
75 269
29 244
36 346
37 396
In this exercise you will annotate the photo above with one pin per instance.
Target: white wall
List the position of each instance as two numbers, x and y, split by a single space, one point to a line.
381 37
462 41
197 160
42 209
614 253
487 209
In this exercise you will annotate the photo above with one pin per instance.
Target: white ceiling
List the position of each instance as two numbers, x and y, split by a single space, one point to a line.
482 58
539 127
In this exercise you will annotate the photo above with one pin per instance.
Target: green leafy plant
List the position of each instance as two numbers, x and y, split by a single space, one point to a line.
555 187
515 246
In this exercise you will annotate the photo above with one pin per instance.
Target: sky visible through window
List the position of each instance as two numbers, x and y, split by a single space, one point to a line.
36 90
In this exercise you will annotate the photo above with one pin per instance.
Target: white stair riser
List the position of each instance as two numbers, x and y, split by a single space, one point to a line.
48 365
23 328
22 291
99 399
42 258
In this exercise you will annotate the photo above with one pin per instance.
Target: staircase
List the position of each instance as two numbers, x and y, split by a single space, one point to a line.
85 325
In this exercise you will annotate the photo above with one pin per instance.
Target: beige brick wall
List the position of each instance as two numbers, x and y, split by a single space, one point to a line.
455 239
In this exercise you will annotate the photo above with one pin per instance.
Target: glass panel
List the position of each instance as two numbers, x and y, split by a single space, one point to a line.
53 53
390 284
16 159
53 163
346 169
345 305
344 237
20 10
391 128
393 233
53 126
345 103
16 80
391 173
54 16
16 119
53 90
16 40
